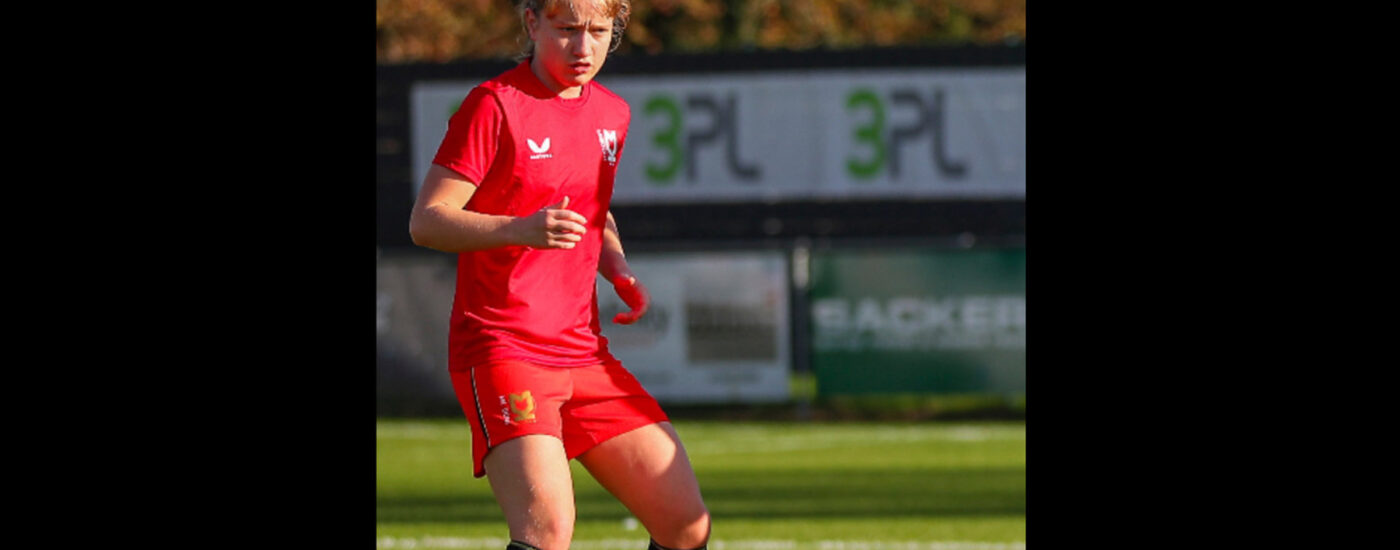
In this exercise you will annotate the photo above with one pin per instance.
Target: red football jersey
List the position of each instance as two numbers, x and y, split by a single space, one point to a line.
526 149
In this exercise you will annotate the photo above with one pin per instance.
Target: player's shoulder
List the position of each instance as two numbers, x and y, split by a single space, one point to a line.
482 100
610 97
508 83
497 84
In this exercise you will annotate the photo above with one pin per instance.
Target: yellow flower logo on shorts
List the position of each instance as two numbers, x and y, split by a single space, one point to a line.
522 407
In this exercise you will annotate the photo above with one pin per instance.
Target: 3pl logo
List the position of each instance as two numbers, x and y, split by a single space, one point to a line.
681 144
882 146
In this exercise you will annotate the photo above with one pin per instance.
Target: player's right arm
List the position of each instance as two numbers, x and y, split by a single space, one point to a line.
439 220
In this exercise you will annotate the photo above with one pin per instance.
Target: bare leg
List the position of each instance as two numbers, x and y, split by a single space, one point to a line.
532 483
648 471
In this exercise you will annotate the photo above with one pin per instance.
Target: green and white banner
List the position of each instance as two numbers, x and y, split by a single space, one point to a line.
922 321
793 135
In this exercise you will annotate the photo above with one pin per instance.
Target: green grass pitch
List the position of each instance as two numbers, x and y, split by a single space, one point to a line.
769 486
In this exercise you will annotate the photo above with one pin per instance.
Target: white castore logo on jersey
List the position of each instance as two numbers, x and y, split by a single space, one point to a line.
541 151
608 140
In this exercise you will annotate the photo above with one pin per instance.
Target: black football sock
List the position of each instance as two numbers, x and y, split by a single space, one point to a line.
517 545
655 546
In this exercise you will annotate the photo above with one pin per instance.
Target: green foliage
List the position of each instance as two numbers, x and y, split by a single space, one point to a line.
445 30
442 30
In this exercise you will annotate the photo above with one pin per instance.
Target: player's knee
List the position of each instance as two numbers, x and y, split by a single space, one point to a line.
549 533
687 532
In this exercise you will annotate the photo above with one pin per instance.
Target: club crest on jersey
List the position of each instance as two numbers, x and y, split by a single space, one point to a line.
540 150
608 140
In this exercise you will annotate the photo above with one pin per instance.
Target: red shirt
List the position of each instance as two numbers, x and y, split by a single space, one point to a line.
526 149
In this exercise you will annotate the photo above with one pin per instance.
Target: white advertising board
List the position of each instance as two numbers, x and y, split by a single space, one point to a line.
797 135
717 329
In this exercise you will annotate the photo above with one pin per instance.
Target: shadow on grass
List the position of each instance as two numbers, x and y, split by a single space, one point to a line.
844 493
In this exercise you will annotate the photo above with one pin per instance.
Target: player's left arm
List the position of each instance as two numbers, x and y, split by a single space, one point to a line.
612 265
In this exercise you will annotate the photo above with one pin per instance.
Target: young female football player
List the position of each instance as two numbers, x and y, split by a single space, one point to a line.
520 189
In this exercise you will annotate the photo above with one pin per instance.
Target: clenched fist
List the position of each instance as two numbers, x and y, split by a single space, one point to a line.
554 226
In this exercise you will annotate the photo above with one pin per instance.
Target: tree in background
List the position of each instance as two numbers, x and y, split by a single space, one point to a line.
409 31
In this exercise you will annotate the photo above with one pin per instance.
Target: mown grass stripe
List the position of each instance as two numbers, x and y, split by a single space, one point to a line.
491 543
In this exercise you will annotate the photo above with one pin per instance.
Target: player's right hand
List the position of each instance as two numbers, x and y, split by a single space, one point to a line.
554 226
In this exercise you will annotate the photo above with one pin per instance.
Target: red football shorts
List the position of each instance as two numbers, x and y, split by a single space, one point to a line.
582 406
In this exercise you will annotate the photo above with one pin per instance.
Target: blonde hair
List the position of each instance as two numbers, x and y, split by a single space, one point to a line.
619 10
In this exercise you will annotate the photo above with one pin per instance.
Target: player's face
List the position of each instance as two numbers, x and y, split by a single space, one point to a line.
570 45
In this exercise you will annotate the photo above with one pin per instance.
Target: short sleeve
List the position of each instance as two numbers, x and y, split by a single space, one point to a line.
626 126
473 136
